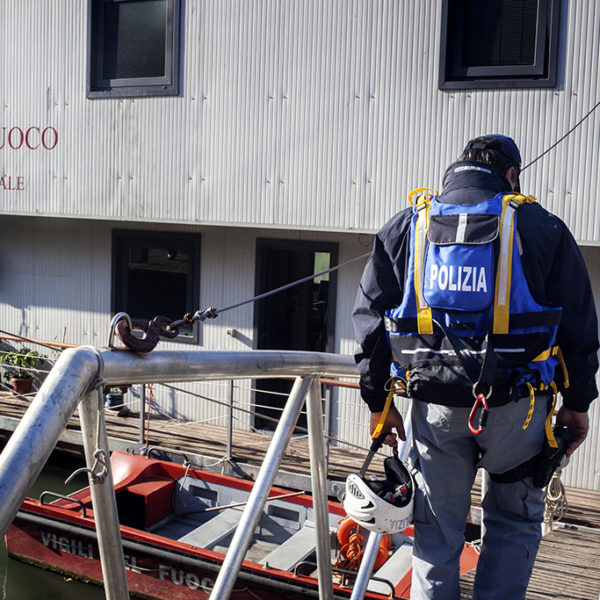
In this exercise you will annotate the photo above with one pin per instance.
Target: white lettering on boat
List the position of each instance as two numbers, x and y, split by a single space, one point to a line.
67 545
181 577
81 548
131 563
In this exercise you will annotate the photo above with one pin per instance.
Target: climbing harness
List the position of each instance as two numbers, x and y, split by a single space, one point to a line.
467 322
544 465
352 547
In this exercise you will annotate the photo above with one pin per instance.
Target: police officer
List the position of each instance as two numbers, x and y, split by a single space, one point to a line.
446 453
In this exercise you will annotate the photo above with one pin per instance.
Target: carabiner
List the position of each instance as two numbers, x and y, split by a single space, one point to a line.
480 399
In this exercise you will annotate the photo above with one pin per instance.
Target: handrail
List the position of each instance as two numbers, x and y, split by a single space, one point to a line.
79 371
125 368
49 343
63 497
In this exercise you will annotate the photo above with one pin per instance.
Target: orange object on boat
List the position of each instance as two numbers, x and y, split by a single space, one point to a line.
352 546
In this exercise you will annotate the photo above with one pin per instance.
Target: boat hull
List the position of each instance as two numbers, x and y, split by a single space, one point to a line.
152 572
174 547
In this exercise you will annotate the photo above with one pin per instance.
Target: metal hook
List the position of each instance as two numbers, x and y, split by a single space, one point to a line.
113 324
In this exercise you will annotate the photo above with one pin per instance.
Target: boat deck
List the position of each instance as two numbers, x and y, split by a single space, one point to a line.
566 566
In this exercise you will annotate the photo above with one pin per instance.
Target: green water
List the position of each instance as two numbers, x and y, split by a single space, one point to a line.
19 581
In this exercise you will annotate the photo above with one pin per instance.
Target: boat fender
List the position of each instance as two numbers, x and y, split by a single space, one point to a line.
351 542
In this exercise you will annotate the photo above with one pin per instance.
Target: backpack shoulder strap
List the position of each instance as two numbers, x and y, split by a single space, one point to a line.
421 208
510 204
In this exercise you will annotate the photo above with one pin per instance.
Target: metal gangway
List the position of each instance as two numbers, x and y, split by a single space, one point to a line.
78 379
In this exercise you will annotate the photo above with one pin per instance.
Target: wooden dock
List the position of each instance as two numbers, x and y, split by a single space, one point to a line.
567 563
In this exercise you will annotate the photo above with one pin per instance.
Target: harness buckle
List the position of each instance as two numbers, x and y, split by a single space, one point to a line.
422 203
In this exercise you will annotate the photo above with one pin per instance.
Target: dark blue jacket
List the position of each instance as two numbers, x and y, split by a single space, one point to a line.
553 266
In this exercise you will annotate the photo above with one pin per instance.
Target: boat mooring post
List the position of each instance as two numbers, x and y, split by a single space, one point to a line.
229 452
244 533
366 566
143 416
318 475
97 456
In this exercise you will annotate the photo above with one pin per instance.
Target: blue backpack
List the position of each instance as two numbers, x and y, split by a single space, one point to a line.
468 324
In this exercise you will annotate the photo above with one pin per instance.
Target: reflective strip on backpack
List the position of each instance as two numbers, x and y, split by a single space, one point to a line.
503 276
424 318
510 203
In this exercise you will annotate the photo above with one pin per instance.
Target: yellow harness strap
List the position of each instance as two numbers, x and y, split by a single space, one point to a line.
386 409
422 204
561 360
531 405
510 203
430 192
555 351
552 351
548 422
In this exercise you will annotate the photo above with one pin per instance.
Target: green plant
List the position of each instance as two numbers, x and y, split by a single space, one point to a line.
21 363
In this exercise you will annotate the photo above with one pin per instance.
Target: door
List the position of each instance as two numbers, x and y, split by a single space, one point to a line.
300 317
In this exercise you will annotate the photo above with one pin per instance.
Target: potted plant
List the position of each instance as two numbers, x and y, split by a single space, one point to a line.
20 366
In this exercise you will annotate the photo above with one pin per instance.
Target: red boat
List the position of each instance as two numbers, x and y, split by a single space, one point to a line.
176 525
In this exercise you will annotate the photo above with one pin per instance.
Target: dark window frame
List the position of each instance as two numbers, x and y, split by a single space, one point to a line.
122 240
168 85
542 73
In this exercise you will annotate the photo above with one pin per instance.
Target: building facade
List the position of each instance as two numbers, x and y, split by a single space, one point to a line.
233 147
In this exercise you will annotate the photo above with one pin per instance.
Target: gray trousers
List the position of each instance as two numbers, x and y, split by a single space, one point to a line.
446 456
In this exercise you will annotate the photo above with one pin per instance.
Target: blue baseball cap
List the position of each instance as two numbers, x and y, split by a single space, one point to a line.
501 143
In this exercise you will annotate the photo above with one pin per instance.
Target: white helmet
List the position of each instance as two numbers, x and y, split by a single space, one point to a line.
382 506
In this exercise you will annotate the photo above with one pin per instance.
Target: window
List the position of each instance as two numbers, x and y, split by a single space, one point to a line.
156 273
498 43
133 48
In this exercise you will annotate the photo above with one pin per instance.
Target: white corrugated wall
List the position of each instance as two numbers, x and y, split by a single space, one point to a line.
292 114
55 278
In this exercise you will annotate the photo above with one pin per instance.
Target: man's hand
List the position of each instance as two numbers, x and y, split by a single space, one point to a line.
393 420
577 423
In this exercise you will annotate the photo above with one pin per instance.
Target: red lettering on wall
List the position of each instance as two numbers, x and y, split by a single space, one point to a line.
11 138
28 142
49 138
10 183
32 138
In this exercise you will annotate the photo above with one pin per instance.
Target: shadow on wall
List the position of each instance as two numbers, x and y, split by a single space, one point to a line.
244 339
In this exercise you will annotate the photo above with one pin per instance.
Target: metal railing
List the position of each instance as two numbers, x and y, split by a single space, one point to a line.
78 378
